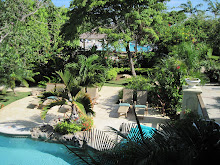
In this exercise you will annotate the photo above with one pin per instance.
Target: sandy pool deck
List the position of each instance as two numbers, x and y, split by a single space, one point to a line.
20 116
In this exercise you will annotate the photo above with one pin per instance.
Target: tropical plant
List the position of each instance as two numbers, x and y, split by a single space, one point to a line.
214 37
52 104
67 127
20 73
168 81
111 74
139 83
214 7
86 122
180 142
73 94
88 71
188 8
29 36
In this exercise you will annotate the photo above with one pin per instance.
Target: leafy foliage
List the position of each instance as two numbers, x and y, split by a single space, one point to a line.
169 80
86 122
29 36
139 83
123 21
214 7
52 104
111 74
67 128
189 8
86 101
88 71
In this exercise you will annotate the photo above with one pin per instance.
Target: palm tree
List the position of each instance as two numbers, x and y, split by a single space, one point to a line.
88 70
214 7
188 7
20 75
75 92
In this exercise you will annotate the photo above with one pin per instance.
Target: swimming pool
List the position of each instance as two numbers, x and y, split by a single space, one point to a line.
132 48
121 48
25 151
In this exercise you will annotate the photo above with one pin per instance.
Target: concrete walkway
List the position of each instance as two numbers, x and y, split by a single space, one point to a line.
107 112
211 98
20 116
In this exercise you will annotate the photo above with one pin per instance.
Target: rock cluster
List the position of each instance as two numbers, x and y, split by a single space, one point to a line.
47 133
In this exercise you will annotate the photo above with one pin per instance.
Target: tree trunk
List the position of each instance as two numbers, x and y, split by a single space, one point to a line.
131 63
13 89
73 111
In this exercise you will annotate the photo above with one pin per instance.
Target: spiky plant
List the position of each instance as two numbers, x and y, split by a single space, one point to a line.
73 93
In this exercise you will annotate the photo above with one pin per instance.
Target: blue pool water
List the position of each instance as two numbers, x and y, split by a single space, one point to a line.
121 48
132 48
25 151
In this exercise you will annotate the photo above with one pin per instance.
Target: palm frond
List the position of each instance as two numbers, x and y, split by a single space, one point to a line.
86 101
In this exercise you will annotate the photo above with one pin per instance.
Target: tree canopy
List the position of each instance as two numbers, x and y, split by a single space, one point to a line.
29 35
123 21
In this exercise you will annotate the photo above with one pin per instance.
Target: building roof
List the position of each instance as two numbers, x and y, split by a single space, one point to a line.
90 36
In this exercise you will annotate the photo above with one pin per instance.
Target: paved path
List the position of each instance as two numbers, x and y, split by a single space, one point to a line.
211 98
20 116
107 112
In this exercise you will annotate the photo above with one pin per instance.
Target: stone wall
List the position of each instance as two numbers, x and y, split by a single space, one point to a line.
47 133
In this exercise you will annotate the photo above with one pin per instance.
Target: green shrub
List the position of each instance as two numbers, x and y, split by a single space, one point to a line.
142 71
139 83
111 74
170 76
66 128
120 94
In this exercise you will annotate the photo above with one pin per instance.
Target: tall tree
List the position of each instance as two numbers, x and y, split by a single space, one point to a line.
189 8
214 7
123 21
29 35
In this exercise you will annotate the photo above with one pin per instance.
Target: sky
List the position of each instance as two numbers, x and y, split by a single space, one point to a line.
172 3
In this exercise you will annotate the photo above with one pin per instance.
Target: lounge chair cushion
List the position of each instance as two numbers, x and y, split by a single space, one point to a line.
124 104
147 131
140 106
53 97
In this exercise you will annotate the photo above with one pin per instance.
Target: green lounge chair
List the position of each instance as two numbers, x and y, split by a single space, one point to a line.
93 93
141 106
60 87
50 87
125 102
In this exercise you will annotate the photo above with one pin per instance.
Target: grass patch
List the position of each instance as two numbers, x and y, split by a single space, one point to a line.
10 97
116 83
215 57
